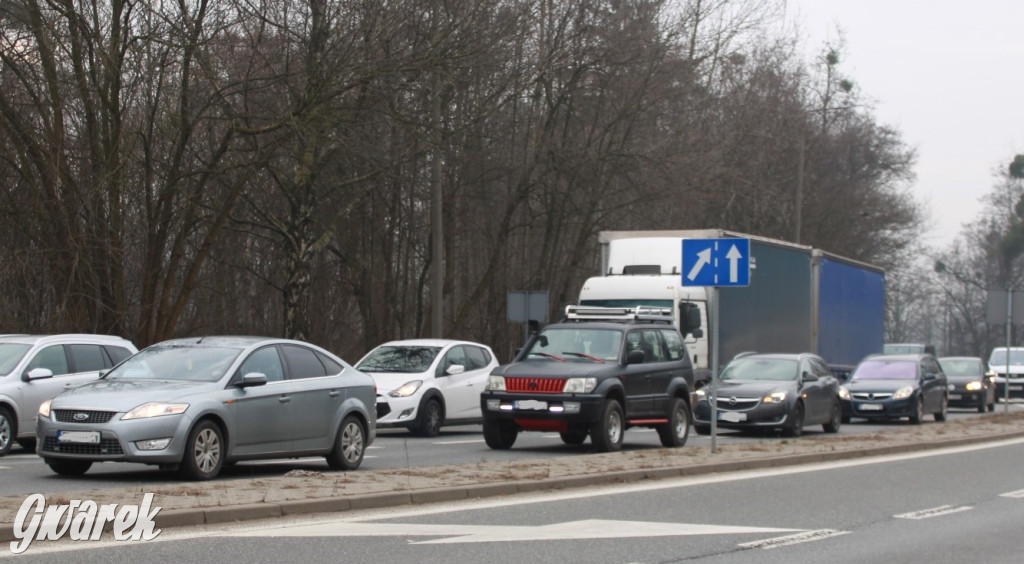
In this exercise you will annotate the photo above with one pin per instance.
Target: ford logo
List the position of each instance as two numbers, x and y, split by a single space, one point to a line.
81 416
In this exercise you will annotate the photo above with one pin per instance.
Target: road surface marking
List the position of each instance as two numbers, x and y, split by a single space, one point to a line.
1016 494
934 512
467 442
809 536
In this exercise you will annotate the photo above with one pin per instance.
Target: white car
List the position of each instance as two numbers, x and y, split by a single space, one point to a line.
424 384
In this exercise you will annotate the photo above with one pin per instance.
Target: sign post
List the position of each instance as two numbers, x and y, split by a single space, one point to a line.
715 263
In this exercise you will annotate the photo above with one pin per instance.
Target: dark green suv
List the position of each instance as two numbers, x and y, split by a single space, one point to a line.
597 372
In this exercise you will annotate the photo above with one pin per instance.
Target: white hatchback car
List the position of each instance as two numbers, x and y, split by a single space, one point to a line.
423 384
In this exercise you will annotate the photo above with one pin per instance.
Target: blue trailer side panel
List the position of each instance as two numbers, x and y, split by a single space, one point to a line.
773 313
851 311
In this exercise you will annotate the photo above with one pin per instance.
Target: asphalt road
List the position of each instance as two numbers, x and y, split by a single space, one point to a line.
25 473
955 505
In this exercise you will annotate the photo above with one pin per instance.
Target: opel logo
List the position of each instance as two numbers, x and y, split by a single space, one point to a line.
871 396
81 416
732 400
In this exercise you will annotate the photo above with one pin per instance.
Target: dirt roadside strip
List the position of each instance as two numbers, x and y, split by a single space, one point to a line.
305 492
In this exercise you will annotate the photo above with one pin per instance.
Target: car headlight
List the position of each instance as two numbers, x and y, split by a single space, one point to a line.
973 386
495 384
903 393
775 397
155 410
579 385
407 389
44 408
700 394
844 393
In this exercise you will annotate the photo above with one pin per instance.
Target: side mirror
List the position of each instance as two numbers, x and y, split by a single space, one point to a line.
253 379
689 319
37 374
808 377
930 376
697 333
635 356
455 369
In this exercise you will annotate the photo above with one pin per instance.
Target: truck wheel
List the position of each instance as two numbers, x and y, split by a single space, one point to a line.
498 435
834 422
574 437
68 467
940 415
204 452
349 446
795 425
430 419
702 429
607 433
8 430
675 432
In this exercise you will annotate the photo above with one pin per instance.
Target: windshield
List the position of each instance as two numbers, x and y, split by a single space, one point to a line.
633 302
577 344
780 369
965 367
10 355
886 370
190 363
403 359
999 357
903 349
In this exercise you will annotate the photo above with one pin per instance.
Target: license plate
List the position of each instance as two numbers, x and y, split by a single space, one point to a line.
86 437
731 416
870 407
954 396
532 405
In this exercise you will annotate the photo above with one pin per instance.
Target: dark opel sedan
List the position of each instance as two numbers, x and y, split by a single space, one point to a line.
782 391
895 386
969 383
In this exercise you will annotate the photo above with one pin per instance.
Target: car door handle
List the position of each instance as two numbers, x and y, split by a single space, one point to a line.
334 393
284 399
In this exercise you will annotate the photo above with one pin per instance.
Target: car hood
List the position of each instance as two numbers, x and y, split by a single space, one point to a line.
127 394
879 385
751 388
388 381
542 368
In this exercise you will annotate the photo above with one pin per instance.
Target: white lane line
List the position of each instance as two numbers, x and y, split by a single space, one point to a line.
474 441
934 512
799 538
1016 494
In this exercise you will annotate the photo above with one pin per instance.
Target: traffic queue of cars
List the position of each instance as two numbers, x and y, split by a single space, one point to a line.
196 405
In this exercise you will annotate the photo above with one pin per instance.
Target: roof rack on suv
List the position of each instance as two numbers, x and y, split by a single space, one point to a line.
638 313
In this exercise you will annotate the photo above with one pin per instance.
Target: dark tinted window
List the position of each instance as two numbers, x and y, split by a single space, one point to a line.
266 361
51 357
88 358
302 363
117 354
330 364
476 358
820 368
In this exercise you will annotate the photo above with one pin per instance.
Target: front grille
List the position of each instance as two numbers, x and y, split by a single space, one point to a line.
383 408
107 447
870 396
68 416
737 404
535 385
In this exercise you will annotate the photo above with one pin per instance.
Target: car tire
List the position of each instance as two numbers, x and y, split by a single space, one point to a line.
204 452
918 415
940 415
8 430
498 435
349 445
835 421
674 433
606 434
64 467
982 405
702 429
795 425
574 437
28 444
431 417
992 406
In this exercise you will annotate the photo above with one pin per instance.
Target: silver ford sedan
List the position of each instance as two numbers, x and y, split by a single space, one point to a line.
196 404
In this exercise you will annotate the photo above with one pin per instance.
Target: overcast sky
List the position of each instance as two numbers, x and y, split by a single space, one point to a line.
949 75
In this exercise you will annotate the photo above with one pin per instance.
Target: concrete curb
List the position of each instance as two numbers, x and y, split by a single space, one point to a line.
236 513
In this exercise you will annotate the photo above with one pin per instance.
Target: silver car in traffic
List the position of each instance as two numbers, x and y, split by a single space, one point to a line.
196 404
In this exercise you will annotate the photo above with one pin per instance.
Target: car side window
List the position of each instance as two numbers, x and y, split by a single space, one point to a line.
654 351
266 361
302 363
116 354
330 364
88 358
53 358
931 366
820 368
674 344
476 358
456 355
805 366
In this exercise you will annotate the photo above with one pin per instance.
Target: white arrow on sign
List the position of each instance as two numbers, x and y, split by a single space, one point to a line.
734 255
703 258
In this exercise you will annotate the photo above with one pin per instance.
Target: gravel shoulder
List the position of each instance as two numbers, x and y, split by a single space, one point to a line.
302 491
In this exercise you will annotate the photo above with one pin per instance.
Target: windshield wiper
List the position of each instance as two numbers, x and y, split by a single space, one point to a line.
549 355
585 355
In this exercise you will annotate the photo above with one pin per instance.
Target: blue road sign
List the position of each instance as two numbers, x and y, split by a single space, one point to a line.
716 262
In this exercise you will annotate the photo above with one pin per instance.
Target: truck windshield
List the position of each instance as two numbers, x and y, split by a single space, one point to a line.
780 369
627 303
998 357
577 344
886 370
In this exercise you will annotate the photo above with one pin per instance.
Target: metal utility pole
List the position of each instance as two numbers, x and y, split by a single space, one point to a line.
436 225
